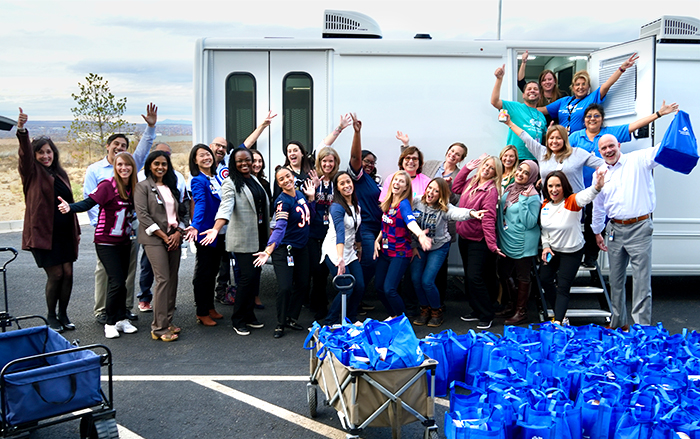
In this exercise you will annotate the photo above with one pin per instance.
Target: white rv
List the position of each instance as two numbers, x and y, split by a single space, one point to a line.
439 93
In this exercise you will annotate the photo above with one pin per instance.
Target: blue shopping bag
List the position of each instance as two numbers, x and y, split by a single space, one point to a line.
436 350
392 344
601 409
479 354
679 148
550 414
482 422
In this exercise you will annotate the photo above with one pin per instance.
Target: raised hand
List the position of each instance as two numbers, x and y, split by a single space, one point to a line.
313 176
502 70
629 62
151 116
309 189
600 178
402 137
268 119
63 206
21 119
356 123
664 110
345 121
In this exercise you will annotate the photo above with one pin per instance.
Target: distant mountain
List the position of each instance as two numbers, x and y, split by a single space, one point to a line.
58 129
175 122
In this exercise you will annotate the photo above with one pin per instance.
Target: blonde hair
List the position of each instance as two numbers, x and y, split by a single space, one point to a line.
389 200
565 152
121 185
322 154
473 184
580 74
443 194
517 160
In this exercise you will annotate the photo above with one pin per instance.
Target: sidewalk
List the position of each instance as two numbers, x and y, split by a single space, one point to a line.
17 225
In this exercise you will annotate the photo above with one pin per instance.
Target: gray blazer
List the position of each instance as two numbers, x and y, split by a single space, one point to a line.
239 210
151 213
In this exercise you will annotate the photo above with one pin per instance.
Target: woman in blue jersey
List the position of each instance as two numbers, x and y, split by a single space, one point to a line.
342 246
392 246
568 111
113 236
288 247
206 197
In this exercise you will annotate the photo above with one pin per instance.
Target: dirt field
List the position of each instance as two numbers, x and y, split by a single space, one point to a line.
12 198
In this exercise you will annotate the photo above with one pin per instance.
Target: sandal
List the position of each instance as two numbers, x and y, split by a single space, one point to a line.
168 336
174 329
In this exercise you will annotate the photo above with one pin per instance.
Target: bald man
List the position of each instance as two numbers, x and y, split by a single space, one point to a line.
628 199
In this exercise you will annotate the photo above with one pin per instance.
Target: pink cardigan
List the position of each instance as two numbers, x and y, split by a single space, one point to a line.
484 198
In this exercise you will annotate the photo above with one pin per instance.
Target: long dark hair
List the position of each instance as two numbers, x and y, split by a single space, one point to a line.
565 185
169 179
194 168
233 173
338 198
39 143
306 163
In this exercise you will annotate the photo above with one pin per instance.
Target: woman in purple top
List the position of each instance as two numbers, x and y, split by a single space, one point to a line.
392 247
113 236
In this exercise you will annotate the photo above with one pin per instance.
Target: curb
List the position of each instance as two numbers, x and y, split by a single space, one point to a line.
18 225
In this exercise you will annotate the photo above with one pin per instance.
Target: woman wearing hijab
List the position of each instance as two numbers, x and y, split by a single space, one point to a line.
518 237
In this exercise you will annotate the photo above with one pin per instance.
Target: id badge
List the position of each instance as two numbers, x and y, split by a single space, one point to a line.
325 219
290 258
385 243
260 219
611 237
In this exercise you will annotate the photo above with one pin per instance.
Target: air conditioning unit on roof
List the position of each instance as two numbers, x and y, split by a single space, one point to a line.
673 29
349 24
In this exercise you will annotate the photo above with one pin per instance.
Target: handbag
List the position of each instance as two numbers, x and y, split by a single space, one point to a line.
678 150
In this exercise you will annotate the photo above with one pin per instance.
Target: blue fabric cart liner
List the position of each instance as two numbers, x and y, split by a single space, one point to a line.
42 388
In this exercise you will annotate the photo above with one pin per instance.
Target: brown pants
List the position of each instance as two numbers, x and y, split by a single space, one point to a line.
165 267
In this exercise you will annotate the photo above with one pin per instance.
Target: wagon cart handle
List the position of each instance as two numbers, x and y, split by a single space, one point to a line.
344 282
8 249
4 316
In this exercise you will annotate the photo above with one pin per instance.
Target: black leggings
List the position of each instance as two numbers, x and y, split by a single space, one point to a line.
59 285
563 267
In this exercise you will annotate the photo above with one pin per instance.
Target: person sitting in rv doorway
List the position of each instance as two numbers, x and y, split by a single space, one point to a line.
587 139
568 111
549 84
448 170
558 155
524 115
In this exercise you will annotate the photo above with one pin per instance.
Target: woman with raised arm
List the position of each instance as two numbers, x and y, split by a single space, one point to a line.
245 207
52 238
518 237
288 247
549 85
477 241
392 247
562 239
342 246
298 162
433 212
568 111
509 159
206 197
113 236
411 161
558 154
161 226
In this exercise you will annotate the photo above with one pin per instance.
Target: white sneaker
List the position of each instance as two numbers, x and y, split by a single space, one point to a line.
111 331
126 327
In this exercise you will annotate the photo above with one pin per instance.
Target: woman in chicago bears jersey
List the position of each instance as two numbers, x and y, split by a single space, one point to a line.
288 246
113 236
392 248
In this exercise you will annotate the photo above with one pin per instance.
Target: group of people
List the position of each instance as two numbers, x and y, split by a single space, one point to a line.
318 220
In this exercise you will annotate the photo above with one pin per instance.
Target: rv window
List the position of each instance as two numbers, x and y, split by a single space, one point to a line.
240 107
297 109
620 100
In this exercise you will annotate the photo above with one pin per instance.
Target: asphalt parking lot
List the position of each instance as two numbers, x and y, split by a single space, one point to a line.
213 383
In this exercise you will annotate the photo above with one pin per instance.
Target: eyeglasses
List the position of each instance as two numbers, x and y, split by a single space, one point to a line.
593 116
410 159
220 145
369 162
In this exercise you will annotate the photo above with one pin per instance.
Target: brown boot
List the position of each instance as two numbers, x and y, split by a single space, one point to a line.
520 315
424 316
206 321
435 318
215 315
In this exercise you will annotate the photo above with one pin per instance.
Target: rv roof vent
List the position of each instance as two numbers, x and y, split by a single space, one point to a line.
673 29
349 24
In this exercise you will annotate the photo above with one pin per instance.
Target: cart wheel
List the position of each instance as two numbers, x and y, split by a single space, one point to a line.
312 399
99 429
434 434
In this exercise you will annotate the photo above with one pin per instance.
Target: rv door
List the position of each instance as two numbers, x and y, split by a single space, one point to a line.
632 96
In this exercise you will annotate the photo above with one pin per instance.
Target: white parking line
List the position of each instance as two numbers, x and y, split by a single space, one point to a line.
125 433
208 377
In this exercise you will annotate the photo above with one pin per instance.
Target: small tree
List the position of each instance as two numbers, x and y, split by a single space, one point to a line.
97 114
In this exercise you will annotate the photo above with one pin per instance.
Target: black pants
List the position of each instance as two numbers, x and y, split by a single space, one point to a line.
480 270
318 299
115 259
563 267
590 246
292 282
223 279
248 288
205 269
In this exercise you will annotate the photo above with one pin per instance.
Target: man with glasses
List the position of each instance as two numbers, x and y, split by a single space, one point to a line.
219 146
526 115
102 170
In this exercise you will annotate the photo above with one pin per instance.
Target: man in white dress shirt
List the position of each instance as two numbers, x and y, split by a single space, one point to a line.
628 199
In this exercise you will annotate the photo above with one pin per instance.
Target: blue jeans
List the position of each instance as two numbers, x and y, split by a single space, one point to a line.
353 299
145 279
369 265
386 280
424 270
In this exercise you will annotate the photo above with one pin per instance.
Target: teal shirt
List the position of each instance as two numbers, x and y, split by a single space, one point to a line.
530 120
518 232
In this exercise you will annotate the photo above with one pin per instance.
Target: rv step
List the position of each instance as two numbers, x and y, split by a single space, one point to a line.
586 290
580 312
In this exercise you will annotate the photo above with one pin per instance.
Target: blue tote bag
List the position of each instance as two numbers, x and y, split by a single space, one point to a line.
679 147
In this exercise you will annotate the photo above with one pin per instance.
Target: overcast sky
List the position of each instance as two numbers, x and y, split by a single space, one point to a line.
146 48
